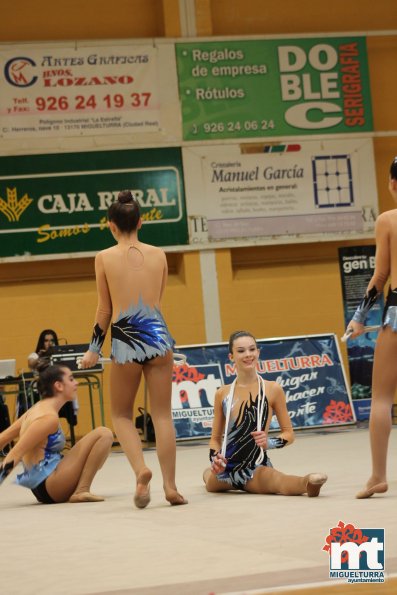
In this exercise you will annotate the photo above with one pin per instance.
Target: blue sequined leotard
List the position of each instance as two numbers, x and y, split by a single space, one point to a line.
390 310
241 449
35 475
139 334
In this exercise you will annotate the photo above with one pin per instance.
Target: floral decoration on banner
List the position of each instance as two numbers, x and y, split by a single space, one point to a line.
337 412
343 534
186 372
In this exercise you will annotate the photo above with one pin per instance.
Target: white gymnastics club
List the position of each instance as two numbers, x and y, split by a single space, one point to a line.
179 360
367 329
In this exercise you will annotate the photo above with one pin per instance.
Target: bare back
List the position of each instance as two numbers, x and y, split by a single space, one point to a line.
37 424
392 220
131 278
129 273
386 250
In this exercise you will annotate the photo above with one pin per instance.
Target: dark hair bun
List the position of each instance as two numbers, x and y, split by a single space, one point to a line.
125 197
42 364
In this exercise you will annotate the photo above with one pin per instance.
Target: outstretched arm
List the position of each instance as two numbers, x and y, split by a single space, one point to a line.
165 276
279 405
218 462
218 423
11 432
34 435
378 279
102 317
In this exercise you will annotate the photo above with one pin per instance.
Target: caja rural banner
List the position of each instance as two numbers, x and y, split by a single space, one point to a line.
57 204
273 87
309 369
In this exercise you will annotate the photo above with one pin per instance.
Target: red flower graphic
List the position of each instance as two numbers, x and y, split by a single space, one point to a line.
343 533
337 411
186 372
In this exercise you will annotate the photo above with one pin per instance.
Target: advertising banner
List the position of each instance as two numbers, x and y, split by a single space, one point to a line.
78 91
309 369
257 189
57 204
273 87
357 265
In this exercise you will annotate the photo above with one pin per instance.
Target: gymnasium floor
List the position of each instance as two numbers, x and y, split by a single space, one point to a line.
218 544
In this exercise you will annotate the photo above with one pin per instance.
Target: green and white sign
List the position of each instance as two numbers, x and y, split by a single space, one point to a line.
268 88
57 204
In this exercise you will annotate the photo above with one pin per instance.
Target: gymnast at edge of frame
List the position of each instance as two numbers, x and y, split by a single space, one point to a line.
384 372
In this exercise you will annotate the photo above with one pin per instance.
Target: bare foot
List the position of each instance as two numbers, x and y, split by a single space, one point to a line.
142 492
85 497
315 481
378 488
175 498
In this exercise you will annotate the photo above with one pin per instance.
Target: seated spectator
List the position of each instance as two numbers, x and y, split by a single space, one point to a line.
48 339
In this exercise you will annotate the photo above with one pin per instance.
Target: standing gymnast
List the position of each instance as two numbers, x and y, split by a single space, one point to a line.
243 411
384 373
51 477
131 277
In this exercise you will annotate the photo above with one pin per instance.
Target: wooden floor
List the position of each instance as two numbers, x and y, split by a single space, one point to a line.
389 587
232 543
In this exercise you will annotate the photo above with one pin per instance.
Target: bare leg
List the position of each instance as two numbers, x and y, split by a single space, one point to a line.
384 382
71 480
158 375
124 384
213 484
267 480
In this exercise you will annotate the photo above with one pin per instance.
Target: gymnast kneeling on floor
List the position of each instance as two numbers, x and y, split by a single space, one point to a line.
243 411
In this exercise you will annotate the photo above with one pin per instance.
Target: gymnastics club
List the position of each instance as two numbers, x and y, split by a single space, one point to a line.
367 329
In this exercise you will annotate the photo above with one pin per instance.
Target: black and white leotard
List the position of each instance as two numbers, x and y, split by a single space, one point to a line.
242 452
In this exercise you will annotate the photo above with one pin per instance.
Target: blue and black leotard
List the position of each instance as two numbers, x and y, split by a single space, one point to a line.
241 451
